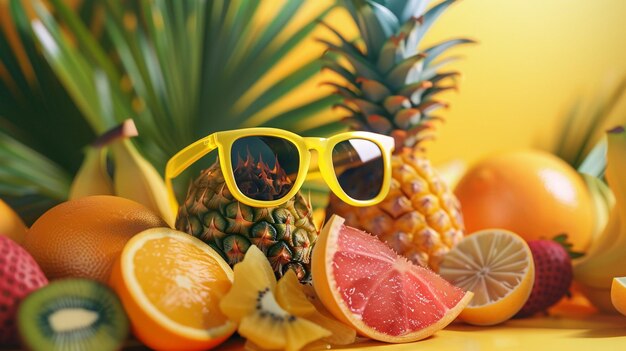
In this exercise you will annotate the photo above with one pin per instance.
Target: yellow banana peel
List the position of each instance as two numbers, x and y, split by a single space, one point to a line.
136 179
603 202
606 258
92 177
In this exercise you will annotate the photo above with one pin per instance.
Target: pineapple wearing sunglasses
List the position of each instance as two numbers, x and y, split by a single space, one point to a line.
250 195
391 88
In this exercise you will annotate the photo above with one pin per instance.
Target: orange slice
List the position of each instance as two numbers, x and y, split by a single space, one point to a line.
618 294
366 285
170 284
497 266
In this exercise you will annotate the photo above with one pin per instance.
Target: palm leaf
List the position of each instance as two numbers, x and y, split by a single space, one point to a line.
581 143
183 107
180 69
42 132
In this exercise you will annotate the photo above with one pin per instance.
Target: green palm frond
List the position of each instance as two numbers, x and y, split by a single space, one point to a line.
20 178
582 143
180 69
185 66
42 132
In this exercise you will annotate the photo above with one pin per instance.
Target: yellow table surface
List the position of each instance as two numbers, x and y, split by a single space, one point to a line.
559 331
595 332
588 333
591 333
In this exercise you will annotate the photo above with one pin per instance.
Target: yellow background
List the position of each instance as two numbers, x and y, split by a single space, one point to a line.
534 58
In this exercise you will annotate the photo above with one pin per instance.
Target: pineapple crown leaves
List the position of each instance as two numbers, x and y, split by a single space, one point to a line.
392 83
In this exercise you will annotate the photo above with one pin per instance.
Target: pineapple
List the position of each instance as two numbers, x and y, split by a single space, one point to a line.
390 89
285 233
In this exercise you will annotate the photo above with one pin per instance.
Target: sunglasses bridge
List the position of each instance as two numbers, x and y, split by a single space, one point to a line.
193 152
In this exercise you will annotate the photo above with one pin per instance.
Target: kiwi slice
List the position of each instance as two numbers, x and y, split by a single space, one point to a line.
72 314
251 302
291 296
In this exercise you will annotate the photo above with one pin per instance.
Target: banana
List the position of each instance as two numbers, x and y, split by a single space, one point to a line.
92 177
607 257
136 179
603 202
603 241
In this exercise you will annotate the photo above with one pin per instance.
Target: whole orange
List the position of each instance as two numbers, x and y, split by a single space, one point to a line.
532 193
83 237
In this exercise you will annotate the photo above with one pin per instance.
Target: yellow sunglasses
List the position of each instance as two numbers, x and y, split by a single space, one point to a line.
265 167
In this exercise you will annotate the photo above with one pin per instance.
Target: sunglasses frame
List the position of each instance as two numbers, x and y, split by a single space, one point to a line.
223 141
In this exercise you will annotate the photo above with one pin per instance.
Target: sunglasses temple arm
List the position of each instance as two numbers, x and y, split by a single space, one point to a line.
183 159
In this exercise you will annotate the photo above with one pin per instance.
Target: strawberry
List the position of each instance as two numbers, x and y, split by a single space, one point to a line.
553 274
19 275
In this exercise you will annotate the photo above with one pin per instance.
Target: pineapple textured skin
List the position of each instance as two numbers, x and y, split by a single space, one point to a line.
420 218
285 234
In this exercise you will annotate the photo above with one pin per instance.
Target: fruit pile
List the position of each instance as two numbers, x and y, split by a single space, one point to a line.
91 269
518 233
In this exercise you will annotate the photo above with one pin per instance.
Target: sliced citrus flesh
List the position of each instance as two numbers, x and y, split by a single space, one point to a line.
170 284
618 294
365 284
497 266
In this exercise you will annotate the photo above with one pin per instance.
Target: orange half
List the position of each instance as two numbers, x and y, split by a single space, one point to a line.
170 284
618 294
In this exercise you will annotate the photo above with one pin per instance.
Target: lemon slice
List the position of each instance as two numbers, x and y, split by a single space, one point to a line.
497 266
618 294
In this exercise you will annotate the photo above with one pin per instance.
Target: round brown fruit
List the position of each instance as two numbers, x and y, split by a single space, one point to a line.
81 238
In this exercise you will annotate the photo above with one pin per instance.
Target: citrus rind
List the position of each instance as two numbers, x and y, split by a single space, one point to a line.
156 325
497 266
328 292
618 294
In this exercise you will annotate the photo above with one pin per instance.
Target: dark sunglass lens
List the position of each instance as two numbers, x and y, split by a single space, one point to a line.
264 167
359 167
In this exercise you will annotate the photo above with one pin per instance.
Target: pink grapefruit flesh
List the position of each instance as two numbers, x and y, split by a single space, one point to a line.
366 284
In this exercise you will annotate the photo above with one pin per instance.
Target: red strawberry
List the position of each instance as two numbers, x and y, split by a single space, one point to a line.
553 274
19 275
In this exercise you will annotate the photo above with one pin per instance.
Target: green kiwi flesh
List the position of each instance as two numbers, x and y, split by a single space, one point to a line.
72 314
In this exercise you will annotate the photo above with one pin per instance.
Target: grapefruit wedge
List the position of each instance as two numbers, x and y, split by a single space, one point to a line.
365 284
